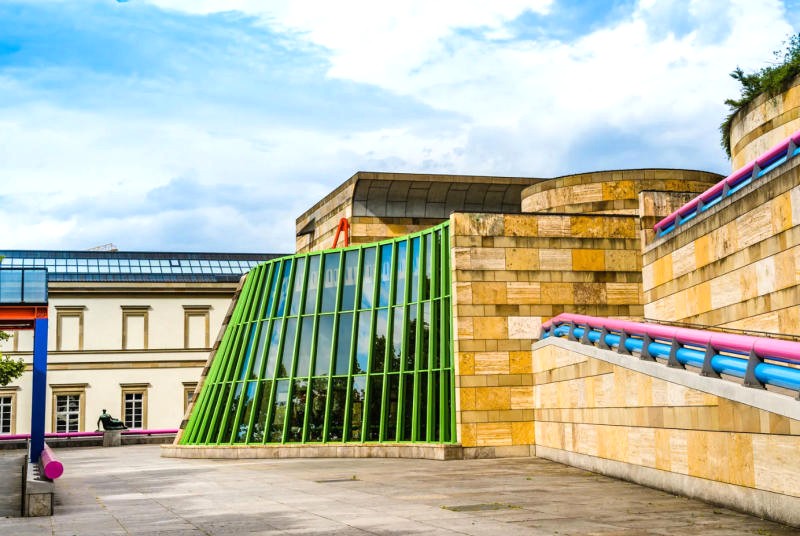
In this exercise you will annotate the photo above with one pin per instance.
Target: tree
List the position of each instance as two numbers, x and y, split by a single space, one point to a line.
771 81
10 369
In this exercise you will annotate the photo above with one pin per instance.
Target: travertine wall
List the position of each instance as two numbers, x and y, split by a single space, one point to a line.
762 124
510 271
735 265
597 414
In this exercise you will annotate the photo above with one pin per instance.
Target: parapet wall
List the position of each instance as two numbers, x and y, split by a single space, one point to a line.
763 123
666 428
734 265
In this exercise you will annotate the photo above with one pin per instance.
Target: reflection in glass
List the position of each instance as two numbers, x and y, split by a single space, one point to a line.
344 338
287 264
247 411
259 355
428 261
357 396
425 322
260 421
349 280
313 285
392 387
316 410
297 411
10 286
396 349
279 414
379 341
411 340
330 282
368 278
422 404
322 362
338 405
271 289
297 285
304 350
230 420
408 407
374 408
288 348
385 275
35 286
363 342
400 276
248 353
414 283
274 344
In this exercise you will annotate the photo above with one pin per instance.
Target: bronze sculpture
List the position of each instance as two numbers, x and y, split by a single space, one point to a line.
109 422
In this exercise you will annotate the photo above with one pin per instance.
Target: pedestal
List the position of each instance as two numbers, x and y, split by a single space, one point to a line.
112 438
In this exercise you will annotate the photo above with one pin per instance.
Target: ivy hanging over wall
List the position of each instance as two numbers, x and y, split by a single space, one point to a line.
771 81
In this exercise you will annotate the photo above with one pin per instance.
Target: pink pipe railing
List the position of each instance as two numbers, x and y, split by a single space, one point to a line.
51 467
731 180
67 435
780 350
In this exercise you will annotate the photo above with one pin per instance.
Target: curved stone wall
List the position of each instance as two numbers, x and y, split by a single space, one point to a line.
611 192
763 123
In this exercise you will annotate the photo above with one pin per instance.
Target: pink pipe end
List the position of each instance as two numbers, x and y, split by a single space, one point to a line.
51 467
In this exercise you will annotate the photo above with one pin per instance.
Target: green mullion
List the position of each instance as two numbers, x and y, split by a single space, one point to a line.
401 383
334 342
198 414
253 303
443 334
418 342
389 335
312 359
241 348
203 429
241 302
348 418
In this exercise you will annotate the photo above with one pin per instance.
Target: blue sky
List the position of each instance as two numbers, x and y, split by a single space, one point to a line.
211 124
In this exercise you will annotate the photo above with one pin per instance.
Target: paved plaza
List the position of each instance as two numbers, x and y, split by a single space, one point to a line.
132 490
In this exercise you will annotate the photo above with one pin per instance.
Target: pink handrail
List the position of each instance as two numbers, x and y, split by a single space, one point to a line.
67 435
781 350
730 180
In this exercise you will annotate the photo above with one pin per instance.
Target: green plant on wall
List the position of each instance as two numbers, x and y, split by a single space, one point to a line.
10 369
771 81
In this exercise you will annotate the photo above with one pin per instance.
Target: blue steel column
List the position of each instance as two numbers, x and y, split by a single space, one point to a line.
39 387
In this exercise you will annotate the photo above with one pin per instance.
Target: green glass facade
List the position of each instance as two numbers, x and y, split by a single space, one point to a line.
346 345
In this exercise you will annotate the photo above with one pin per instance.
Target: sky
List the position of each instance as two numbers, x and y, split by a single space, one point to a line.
210 125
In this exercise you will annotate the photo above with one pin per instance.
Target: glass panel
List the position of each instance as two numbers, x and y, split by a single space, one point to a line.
248 353
297 285
357 412
396 349
233 407
400 276
297 410
322 363
35 286
422 405
281 398
260 422
316 413
288 348
304 350
338 403
247 411
344 344
330 282
426 282
363 342
424 361
259 355
287 264
415 244
374 409
379 341
434 405
386 275
408 407
434 335
392 386
411 338
349 281
274 344
313 285
10 286
368 278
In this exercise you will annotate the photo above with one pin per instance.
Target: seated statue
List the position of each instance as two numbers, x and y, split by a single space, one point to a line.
110 423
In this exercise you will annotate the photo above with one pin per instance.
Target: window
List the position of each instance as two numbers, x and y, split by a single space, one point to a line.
134 327
69 328
134 404
196 326
188 394
68 407
8 411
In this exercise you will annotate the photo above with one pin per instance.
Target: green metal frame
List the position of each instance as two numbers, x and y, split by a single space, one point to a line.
408 385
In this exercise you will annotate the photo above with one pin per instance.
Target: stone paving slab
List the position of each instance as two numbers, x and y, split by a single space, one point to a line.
131 490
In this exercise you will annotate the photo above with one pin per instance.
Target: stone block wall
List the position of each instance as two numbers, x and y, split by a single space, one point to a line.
667 428
736 265
764 123
509 272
